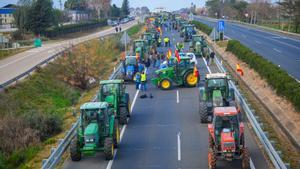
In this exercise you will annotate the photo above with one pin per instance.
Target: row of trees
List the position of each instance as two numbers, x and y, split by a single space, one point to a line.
39 15
254 11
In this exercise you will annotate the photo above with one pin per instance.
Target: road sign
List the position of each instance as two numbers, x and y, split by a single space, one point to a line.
125 38
221 26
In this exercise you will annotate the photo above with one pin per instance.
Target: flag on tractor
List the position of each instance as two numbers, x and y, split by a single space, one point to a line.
196 72
137 56
169 53
239 69
177 56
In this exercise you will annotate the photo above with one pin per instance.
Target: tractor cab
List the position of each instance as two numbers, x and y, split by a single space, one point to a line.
215 93
130 67
140 48
188 31
113 92
226 137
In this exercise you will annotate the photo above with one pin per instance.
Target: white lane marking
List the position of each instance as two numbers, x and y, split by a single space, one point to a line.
277 50
177 96
110 163
178 147
251 162
257 41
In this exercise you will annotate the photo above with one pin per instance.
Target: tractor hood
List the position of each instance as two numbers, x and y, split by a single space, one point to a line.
110 99
91 129
138 50
163 70
227 140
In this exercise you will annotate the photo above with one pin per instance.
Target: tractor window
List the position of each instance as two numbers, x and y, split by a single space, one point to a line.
197 38
228 122
216 83
90 115
107 89
190 29
138 44
130 61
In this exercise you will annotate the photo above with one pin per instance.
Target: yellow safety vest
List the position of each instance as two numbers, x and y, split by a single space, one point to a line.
143 77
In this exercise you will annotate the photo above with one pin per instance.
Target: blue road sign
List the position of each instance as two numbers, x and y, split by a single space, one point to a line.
221 26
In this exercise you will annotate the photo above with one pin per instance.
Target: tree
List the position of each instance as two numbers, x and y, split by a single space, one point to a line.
76 4
291 11
125 8
21 15
40 16
115 11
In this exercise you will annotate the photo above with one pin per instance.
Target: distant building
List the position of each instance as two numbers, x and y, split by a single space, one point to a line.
6 15
77 15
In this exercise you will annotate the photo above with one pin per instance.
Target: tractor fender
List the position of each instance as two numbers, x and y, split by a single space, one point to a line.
111 125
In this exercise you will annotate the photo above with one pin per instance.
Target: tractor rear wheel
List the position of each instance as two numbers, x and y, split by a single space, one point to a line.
212 160
203 112
123 115
245 158
190 80
165 84
108 148
75 149
116 134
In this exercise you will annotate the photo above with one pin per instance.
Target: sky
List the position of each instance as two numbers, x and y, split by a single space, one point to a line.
151 4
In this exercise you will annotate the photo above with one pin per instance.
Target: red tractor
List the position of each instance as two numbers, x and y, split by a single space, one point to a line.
226 137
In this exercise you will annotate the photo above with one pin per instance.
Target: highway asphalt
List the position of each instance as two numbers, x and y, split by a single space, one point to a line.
165 132
283 50
15 65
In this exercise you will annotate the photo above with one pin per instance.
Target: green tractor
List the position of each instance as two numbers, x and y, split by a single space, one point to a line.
150 39
141 48
113 92
98 131
176 73
187 32
215 93
196 45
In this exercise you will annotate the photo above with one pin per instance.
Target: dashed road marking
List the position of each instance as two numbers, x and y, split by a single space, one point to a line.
277 50
257 41
177 96
178 147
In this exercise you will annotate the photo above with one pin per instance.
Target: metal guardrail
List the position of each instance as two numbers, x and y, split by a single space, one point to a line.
56 153
272 153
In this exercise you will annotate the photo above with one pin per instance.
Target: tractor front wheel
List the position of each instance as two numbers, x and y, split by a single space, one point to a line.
190 79
203 112
108 148
116 134
245 158
123 115
212 160
165 84
75 150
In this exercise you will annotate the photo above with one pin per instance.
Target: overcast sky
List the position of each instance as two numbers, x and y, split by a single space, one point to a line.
151 4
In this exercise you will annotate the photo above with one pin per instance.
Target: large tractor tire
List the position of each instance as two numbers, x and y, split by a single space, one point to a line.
165 84
203 112
212 160
123 115
116 134
75 150
190 80
109 148
245 158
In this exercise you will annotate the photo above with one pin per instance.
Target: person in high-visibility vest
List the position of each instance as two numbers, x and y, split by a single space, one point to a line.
167 41
143 81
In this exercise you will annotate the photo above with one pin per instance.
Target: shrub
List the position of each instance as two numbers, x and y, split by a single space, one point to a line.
279 79
65 29
202 27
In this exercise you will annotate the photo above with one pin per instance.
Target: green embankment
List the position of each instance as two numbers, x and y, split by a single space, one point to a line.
34 110
279 79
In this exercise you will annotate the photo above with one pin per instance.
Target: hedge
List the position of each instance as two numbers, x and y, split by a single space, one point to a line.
279 79
202 27
65 29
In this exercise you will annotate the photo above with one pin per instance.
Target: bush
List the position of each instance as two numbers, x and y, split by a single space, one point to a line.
202 27
279 79
65 29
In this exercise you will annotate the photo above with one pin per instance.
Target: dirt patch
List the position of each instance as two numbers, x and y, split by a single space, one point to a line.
275 112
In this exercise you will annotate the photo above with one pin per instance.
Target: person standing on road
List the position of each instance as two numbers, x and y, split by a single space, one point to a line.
120 29
147 65
116 29
212 56
143 81
137 80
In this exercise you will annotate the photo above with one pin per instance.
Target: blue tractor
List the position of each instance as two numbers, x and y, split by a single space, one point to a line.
130 67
